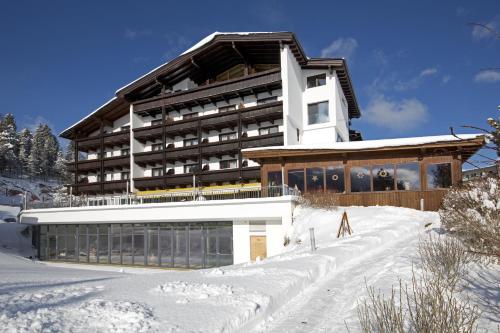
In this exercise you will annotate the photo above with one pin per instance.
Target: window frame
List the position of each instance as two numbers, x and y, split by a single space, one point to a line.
125 173
314 80
154 170
228 161
190 140
228 133
317 104
157 147
189 166
427 187
268 128
127 152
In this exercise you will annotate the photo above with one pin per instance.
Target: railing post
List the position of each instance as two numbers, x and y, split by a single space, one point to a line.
71 196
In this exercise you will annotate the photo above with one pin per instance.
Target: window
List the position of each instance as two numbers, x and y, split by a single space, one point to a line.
266 100
125 128
156 122
408 176
125 151
157 172
317 113
315 179
360 179
228 164
110 177
190 142
274 178
383 177
227 108
190 168
228 136
334 179
316 80
438 175
190 115
125 175
268 130
296 179
156 147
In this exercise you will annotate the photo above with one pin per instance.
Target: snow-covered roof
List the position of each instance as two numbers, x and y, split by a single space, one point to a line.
372 144
202 42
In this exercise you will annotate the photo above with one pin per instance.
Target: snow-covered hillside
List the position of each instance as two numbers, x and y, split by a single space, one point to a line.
298 291
13 189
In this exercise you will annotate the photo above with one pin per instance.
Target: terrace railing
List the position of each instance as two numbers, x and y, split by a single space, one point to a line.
199 194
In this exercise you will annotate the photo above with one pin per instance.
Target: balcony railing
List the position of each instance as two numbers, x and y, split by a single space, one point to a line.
198 194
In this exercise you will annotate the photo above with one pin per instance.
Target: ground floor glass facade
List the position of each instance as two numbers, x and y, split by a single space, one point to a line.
175 245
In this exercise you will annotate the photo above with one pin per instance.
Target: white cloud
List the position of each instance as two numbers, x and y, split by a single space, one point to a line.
32 123
341 47
428 71
488 30
396 115
445 79
488 76
134 34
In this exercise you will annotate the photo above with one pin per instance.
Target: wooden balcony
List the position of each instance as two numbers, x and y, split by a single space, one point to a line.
85 165
151 133
265 112
115 185
211 93
87 188
148 157
275 139
89 143
109 140
220 120
144 183
220 148
182 153
116 162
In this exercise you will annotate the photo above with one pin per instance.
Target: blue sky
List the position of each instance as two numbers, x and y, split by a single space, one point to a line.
416 66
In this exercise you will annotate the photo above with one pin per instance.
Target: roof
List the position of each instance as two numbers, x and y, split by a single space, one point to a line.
364 146
261 43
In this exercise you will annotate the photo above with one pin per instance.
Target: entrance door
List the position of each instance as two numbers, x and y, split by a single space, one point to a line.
258 247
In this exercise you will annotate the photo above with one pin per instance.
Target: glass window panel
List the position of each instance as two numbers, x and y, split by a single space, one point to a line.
127 248
103 244
335 179
438 175
180 246
83 250
195 246
408 176
52 253
43 242
139 244
383 177
92 248
274 178
61 245
296 179
360 179
318 113
166 235
314 179
225 241
211 245
153 254
71 246
115 231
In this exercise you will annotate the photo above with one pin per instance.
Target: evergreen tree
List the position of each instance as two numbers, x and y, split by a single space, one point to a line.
25 142
9 142
70 151
61 166
44 152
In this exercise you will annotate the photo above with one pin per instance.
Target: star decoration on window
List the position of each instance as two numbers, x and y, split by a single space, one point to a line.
360 175
314 178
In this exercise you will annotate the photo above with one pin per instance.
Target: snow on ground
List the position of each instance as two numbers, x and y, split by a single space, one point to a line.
298 291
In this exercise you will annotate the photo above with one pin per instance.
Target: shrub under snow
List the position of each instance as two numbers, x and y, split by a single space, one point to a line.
472 213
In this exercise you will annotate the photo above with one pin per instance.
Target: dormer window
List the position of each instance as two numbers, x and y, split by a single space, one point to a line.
316 80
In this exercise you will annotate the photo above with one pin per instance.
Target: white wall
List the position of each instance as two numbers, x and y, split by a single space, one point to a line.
292 96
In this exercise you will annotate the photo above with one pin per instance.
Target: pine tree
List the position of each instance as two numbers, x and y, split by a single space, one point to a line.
25 143
9 142
44 152
70 152
61 166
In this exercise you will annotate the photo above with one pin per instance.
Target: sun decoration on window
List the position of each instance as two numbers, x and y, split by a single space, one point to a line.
360 175
314 178
383 173
335 177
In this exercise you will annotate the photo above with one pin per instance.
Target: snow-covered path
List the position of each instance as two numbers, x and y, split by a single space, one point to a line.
331 302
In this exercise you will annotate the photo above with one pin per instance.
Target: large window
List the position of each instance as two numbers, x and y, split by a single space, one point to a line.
438 175
316 80
383 177
268 130
360 179
317 113
157 172
190 142
408 176
314 179
228 136
228 164
274 178
334 179
296 179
